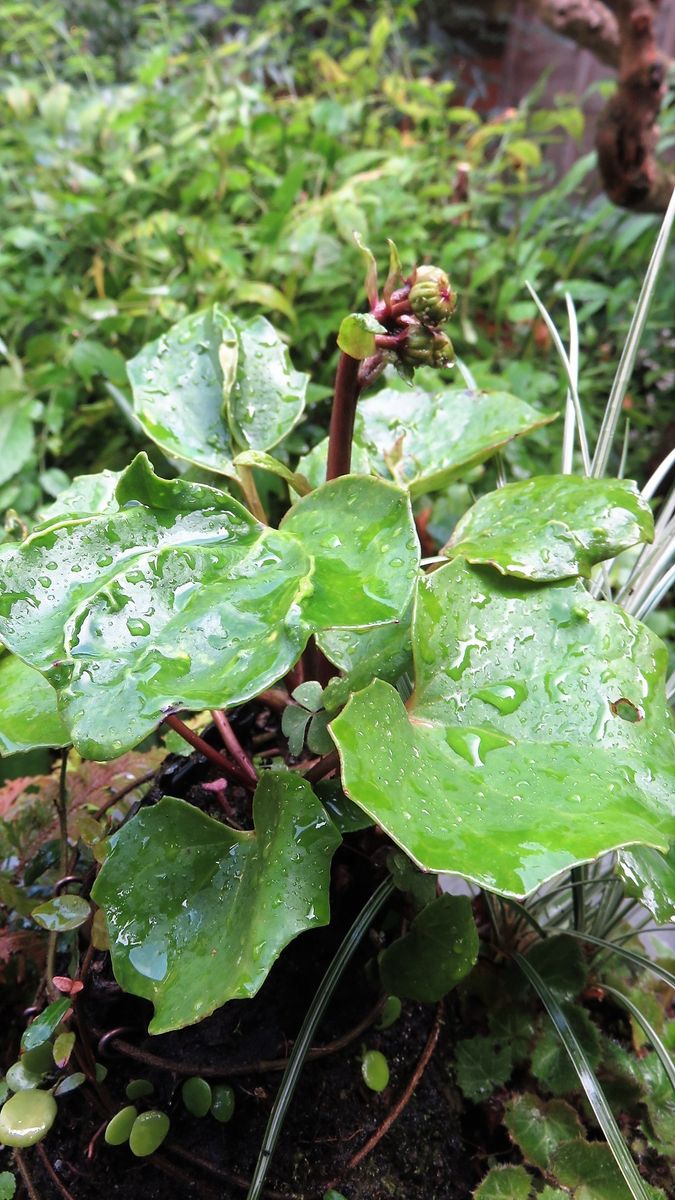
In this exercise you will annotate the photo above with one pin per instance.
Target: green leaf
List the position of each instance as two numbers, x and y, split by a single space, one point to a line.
439 950
552 526
293 725
538 1127
309 694
267 395
180 599
418 885
505 1183
265 462
251 291
356 336
509 763
86 494
28 716
482 1064
16 438
649 877
42 1028
551 1063
560 960
590 1169
91 358
26 1118
62 913
346 817
312 466
375 1070
425 441
7 1185
198 912
179 390
384 652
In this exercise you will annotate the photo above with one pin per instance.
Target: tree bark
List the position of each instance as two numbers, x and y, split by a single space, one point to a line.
589 23
627 129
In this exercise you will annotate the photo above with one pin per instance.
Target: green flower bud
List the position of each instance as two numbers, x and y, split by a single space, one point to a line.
431 296
427 347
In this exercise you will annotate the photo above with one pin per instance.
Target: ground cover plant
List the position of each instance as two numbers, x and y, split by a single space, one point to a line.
489 711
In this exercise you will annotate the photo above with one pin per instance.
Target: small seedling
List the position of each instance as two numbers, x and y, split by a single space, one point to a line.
197 1096
119 1127
27 1117
148 1133
375 1070
223 1102
390 1013
136 1089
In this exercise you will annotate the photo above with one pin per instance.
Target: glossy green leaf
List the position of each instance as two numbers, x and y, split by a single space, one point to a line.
197 1095
85 495
384 652
148 1132
356 335
482 1064
267 395
425 440
553 526
198 912
42 1028
26 1118
180 599
178 385
650 877
538 1127
120 1126
510 762
214 383
40 1060
347 817
62 913
20 1079
440 948
265 462
223 1102
505 1183
28 716
375 1070
312 466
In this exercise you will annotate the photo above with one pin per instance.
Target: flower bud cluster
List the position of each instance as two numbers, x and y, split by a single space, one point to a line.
412 316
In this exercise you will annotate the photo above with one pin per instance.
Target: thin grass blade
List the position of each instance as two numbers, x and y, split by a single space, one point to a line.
562 353
594 1093
305 1037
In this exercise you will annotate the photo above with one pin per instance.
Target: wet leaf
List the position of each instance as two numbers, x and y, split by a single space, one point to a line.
375 1070
86 494
182 600
26 1118
356 335
198 912
62 913
538 1127
508 764
590 1168
267 395
553 526
505 1183
214 383
42 1028
148 1132
384 652
424 441
28 716
650 877
440 948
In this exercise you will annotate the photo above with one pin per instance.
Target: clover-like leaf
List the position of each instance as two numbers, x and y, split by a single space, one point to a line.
439 949
425 440
213 384
512 760
552 526
650 877
356 335
28 715
178 598
198 912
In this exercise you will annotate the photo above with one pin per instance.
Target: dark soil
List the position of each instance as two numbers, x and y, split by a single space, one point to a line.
333 1114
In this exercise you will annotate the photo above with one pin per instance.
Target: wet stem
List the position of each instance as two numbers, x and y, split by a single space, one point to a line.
342 417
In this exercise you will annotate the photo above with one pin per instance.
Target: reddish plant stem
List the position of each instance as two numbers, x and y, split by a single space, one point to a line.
275 698
232 743
330 762
25 1175
342 417
227 766
52 1174
395 1112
